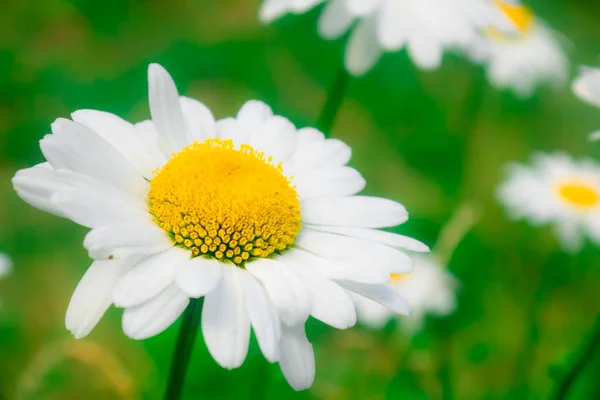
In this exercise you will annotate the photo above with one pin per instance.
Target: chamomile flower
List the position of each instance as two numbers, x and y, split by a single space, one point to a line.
559 191
587 87
527 57
430 290
426 28
260 218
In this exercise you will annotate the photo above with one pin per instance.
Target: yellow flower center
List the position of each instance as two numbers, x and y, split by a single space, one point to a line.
398 277
579 194
521 17
223 202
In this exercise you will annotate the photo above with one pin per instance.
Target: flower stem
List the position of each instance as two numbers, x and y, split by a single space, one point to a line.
591 347
183 349
335 98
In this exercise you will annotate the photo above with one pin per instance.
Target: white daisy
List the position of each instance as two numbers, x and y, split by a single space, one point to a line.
260 218
587 87
429 289
525 58
556 190
425 27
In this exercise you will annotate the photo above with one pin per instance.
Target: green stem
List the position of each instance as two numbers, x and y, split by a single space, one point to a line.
444 332
183 349
473 106
526 356
590 348
335 98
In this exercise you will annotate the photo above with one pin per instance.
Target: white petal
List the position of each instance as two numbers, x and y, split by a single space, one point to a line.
153 317
365 253
425 51
314 154
393 25
335 19
229 128
297 359
93 207
225 321
265 321
76 147
276 138
198 276
199 120
286 290
148 278
123 136
342 181
253 114
375 235
123 240
356 211
362 7
271 10
5 265
382 294
330 303
362 49
36 185
166 109
587 85
92 297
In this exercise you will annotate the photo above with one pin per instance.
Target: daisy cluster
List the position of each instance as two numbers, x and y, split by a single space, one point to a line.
518 50
265 221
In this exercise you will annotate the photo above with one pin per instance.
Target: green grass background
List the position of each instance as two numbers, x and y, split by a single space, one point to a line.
418 138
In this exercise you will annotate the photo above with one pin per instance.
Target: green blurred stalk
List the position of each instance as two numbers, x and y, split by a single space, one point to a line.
335 98
188 331
587 355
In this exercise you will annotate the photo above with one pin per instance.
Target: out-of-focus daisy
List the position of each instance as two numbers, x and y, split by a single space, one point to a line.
557 190
425 27
525 58
5 265
587 87
260 218
430 290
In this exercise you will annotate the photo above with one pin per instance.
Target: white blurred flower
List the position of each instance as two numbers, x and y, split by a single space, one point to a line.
5 265
257 216
425 27
430 290
556 190
587 87
524 59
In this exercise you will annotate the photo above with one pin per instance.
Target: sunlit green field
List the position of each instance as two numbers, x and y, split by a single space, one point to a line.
434 141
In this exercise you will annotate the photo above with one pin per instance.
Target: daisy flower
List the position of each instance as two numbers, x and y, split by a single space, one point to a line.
556 190
523 59
424 27
260 218
587 87
429 289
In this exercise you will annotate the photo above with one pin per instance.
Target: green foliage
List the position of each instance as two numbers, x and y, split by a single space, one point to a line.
417 138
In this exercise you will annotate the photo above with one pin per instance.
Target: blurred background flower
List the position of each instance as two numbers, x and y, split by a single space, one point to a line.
529 55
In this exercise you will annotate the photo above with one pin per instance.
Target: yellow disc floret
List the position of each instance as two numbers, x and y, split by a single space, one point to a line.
579 194
225 202
521 16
